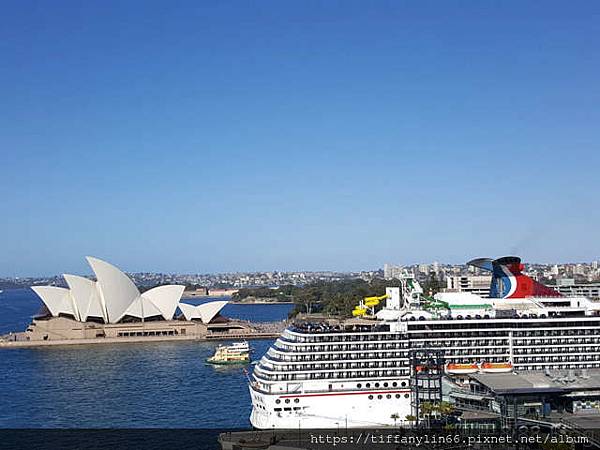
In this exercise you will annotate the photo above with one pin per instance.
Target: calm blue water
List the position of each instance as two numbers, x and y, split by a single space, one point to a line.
165 385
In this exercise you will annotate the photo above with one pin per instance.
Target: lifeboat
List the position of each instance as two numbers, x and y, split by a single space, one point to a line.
461 368
504 367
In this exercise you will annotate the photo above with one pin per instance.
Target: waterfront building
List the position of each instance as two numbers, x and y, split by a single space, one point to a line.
113 307
531 395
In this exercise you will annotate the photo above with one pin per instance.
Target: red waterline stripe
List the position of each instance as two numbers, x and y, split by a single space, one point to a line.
346 393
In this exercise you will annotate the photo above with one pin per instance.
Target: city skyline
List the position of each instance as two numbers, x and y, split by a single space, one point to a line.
211 137
579 268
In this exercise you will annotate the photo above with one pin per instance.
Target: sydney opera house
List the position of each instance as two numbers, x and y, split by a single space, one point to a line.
113 307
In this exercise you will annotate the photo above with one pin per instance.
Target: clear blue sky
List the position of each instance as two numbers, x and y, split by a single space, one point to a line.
224 136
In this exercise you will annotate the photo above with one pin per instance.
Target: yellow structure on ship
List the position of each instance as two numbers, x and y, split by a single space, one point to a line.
366 305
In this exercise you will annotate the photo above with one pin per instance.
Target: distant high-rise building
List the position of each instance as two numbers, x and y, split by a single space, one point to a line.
475 284
424 268
391 271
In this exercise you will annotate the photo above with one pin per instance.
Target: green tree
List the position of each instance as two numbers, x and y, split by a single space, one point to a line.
426 410
432 285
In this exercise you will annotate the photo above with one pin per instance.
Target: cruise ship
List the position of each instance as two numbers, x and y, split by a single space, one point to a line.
358 372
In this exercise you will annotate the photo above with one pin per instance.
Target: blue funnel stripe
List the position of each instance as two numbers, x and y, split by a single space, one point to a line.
501 284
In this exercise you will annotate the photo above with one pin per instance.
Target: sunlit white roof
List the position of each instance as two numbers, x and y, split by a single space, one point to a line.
204 312
112 297
58 300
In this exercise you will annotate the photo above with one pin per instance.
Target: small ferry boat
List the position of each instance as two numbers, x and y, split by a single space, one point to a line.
236 353
241 346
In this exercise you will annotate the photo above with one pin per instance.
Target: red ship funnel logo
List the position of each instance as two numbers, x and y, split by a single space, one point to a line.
508 281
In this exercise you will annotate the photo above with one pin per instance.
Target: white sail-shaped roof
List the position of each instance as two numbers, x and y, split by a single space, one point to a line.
141 308
209 310
86 296
110 298
58 300
117 290
205 312
165 298
189 311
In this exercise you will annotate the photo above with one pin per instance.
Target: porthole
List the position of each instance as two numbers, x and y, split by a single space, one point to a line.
287 400
388 396
370 397
359 385
380 396
376 385
394 384
385 385
278 401
397 395
403 384
406 395
296 400
368 385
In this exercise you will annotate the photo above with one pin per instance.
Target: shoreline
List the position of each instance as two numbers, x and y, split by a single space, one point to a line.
133 339
187 295
258 302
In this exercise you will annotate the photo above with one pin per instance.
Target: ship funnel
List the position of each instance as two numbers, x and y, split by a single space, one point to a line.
508 281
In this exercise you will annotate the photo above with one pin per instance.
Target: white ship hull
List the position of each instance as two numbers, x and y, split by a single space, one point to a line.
352 409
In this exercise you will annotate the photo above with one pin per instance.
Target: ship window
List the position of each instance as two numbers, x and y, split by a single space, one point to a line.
403 383
278 401
368 385
388 396
385 385
296 400
287 400
277 409
376 385
406 395
359 385
380 397
397 395
394 384
287 409
370 397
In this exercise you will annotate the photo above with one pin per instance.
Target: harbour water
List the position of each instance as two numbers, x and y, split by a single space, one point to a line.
148 385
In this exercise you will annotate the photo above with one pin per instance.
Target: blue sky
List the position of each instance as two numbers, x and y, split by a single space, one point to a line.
225 136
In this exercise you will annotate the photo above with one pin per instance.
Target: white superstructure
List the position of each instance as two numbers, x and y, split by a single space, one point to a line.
356 373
